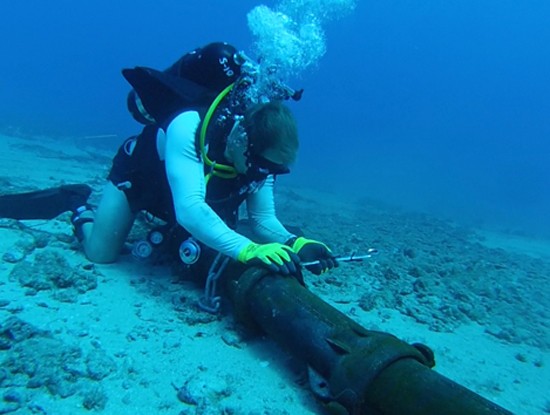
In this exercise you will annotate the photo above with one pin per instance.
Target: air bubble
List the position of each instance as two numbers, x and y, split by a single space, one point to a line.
290 37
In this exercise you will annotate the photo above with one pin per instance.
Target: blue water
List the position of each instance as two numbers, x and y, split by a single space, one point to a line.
436 106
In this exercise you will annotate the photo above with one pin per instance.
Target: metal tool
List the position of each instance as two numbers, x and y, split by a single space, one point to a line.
350 258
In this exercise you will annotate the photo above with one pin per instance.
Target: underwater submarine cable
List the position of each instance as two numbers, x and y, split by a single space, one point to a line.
366 372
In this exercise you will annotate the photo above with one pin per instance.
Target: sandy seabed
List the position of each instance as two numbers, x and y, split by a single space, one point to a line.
129 338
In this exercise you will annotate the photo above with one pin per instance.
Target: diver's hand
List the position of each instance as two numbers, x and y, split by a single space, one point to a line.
310 251
274 256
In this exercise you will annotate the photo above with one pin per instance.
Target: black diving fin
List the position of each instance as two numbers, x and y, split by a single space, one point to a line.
44 204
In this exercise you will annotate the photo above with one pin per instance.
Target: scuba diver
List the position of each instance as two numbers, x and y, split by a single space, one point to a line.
215 136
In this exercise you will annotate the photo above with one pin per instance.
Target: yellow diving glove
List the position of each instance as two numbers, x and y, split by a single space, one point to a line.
276 257
314 251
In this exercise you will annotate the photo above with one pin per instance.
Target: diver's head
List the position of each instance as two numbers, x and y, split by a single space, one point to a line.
264 141
215 65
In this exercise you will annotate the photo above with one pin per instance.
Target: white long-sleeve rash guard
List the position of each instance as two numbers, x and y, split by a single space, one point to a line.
186 178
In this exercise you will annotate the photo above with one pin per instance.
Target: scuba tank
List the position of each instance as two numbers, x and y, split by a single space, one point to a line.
191 82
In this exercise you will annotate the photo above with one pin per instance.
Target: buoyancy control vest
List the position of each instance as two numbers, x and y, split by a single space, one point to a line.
148 174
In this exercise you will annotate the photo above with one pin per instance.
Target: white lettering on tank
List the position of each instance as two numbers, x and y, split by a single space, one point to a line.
226 69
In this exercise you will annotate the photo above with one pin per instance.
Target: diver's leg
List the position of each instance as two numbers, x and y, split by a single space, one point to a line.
104 237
